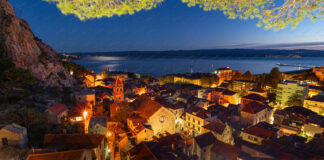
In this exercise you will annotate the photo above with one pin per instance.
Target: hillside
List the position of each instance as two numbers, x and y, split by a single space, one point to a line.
28 52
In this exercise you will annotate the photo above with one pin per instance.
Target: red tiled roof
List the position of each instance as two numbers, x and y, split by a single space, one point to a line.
199 112
226 150
260 132
118 81
72 141
64 155
137 120
255 97
164 103
259 90
205 139
57 109
146 107
140 127
254 107
216 126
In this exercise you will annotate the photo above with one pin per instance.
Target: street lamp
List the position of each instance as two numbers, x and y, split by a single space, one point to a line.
85 113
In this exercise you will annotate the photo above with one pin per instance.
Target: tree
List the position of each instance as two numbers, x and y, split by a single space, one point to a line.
269 14
295 100
122 113
89 9
31 118
104 74
274 77
247 76
292 12
146 78
262 80
205 81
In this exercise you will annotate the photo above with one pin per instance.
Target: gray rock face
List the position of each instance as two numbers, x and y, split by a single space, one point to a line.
28 52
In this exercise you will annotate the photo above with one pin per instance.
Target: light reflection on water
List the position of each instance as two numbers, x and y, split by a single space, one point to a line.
161 66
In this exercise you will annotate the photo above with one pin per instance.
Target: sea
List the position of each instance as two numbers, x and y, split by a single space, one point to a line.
158 66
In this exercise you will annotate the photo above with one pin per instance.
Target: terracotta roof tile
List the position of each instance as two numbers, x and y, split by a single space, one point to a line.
64 155
261 132
255 97
72 141
254 107
146 107
226 150
216 126
205 139
57 109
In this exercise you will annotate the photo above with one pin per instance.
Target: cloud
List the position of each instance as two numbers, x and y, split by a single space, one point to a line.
304 45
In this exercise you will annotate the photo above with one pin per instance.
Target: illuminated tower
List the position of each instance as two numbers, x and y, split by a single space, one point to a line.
118 90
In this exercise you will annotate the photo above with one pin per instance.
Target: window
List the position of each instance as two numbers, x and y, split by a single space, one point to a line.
4 141
162 119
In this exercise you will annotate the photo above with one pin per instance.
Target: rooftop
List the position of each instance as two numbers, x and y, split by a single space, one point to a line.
15 128
226 150
254 107
64 155
255 97
318 98
216 126
205 139
72 141
102 120
260 132
58 109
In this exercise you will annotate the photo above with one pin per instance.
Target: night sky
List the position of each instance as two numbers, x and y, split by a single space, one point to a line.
170 26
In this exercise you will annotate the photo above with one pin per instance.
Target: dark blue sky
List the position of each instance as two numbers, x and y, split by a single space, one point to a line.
171 26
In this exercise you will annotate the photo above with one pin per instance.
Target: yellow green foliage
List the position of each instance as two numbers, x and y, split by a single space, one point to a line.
88 9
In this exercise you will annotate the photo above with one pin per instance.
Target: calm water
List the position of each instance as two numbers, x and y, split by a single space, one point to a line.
162 66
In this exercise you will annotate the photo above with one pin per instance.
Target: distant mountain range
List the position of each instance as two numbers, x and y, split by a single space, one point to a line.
211 53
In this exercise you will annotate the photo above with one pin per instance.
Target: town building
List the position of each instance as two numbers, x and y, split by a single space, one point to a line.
13 135
98 125
202 145
288 89
86 97
314 90
224 97
222 151
254 112
319 72
55 113
243 86
258 91
140 129
253 97
195 118
167 147
177 109
94 145
296 119
222 131
159 117
79 154
118 88
316 104
187 79
259 132
226 73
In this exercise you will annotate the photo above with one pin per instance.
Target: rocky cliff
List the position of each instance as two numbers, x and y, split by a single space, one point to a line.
18 42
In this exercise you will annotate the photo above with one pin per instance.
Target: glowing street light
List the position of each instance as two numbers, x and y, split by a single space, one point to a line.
85 113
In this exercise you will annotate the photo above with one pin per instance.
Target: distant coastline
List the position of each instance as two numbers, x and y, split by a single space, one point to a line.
210 53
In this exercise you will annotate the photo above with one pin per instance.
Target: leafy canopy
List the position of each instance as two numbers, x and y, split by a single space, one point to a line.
270 15
89 9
